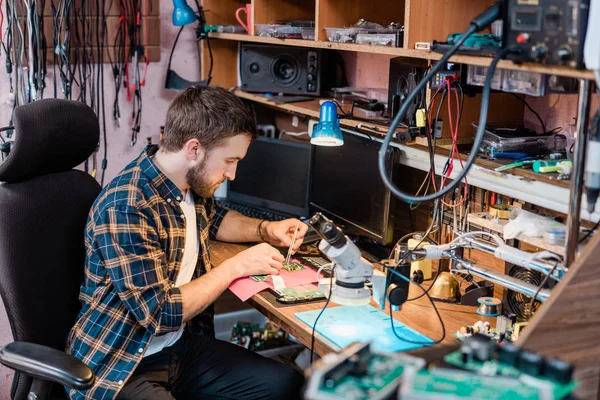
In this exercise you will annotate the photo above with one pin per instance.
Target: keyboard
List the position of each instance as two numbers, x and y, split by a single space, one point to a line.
254 212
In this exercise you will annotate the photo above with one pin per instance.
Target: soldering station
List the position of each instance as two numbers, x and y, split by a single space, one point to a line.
453 245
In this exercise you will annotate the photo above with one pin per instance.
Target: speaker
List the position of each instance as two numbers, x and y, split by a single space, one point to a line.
283 69
405 74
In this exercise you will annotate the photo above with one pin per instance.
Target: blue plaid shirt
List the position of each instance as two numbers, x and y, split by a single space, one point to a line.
134 238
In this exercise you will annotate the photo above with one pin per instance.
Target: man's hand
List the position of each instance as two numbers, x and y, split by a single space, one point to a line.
280 233
261 259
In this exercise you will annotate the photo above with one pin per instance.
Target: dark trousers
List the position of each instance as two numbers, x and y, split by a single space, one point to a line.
201 367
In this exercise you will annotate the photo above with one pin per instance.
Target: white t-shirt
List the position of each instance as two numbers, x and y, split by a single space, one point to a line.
188 265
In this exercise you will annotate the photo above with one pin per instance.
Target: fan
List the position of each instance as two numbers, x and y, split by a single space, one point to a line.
518 303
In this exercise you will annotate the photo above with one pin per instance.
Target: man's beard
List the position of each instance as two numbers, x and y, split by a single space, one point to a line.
195 178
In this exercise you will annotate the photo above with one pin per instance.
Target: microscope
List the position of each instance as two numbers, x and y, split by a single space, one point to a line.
350 269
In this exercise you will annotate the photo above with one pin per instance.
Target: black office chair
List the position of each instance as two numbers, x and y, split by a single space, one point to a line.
44 204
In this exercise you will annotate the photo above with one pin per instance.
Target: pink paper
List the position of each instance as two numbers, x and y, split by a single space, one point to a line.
245 288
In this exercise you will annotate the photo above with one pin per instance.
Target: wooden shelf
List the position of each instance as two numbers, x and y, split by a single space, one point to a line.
411 53
517 183
311 109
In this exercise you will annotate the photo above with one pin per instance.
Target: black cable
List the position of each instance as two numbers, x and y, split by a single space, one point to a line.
432 343
532 110
587 235
478 138
548 275
312 337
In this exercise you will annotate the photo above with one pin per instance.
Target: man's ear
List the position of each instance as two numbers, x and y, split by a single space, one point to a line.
194 150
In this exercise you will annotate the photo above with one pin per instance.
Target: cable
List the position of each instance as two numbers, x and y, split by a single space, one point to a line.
587 235
434 308
312 337
482 119
532 110
548 275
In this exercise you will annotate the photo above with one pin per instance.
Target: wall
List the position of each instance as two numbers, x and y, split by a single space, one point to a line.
155 103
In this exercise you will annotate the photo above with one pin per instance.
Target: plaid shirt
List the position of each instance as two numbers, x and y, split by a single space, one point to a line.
134 238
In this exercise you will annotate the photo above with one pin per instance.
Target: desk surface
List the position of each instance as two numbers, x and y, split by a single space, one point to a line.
418 314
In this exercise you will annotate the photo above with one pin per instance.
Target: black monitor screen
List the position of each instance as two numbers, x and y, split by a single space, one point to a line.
274 174
346 186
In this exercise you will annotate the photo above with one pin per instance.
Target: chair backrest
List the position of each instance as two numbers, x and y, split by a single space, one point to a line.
44 204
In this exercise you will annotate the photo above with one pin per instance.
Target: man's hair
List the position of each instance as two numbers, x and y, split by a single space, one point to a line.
209 114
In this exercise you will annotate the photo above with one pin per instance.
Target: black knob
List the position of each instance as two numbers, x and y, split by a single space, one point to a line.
310 77
564 53
539 52
418 276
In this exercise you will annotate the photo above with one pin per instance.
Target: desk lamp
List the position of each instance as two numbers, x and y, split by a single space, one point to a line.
327 132
182 13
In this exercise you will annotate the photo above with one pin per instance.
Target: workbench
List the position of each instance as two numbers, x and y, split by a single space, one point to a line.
418 314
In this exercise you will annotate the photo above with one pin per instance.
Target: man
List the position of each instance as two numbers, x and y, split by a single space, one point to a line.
146 325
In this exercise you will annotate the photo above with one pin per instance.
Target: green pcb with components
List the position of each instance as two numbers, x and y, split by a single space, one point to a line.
440 384
489 383
289 266
382 371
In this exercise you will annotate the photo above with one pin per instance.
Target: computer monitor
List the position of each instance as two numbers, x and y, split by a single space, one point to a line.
274 175
347 188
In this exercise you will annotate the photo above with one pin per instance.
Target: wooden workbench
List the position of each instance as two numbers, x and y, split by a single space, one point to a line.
418 314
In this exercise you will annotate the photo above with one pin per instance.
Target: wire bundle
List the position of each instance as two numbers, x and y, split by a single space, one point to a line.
78 42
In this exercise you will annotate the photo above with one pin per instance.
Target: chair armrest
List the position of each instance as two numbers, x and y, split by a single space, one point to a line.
47 363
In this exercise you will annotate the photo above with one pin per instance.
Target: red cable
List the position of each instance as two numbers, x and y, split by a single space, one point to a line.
146 54
454 152
1 21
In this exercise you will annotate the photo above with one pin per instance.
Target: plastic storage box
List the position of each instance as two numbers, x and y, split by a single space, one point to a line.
496 141
378 37
285 31
476 76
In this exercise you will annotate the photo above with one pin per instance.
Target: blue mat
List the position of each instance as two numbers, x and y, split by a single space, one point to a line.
347 324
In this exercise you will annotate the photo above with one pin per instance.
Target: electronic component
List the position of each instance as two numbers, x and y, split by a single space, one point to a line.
480 347
359 372
559 371
451 71
531 363
546 31
509 355
505 361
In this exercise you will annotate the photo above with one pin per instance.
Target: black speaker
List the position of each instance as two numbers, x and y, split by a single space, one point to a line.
405 74
283 69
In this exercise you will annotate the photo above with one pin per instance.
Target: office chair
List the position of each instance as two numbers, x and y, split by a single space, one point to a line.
44 204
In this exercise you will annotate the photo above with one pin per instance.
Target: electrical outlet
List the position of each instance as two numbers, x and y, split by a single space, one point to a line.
295 121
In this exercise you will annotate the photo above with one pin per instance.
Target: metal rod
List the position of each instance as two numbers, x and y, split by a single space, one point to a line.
535 265
501 279
572 235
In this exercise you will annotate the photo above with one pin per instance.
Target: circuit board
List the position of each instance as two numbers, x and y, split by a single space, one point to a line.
289 266
446 384
292 266
374 378
494 369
